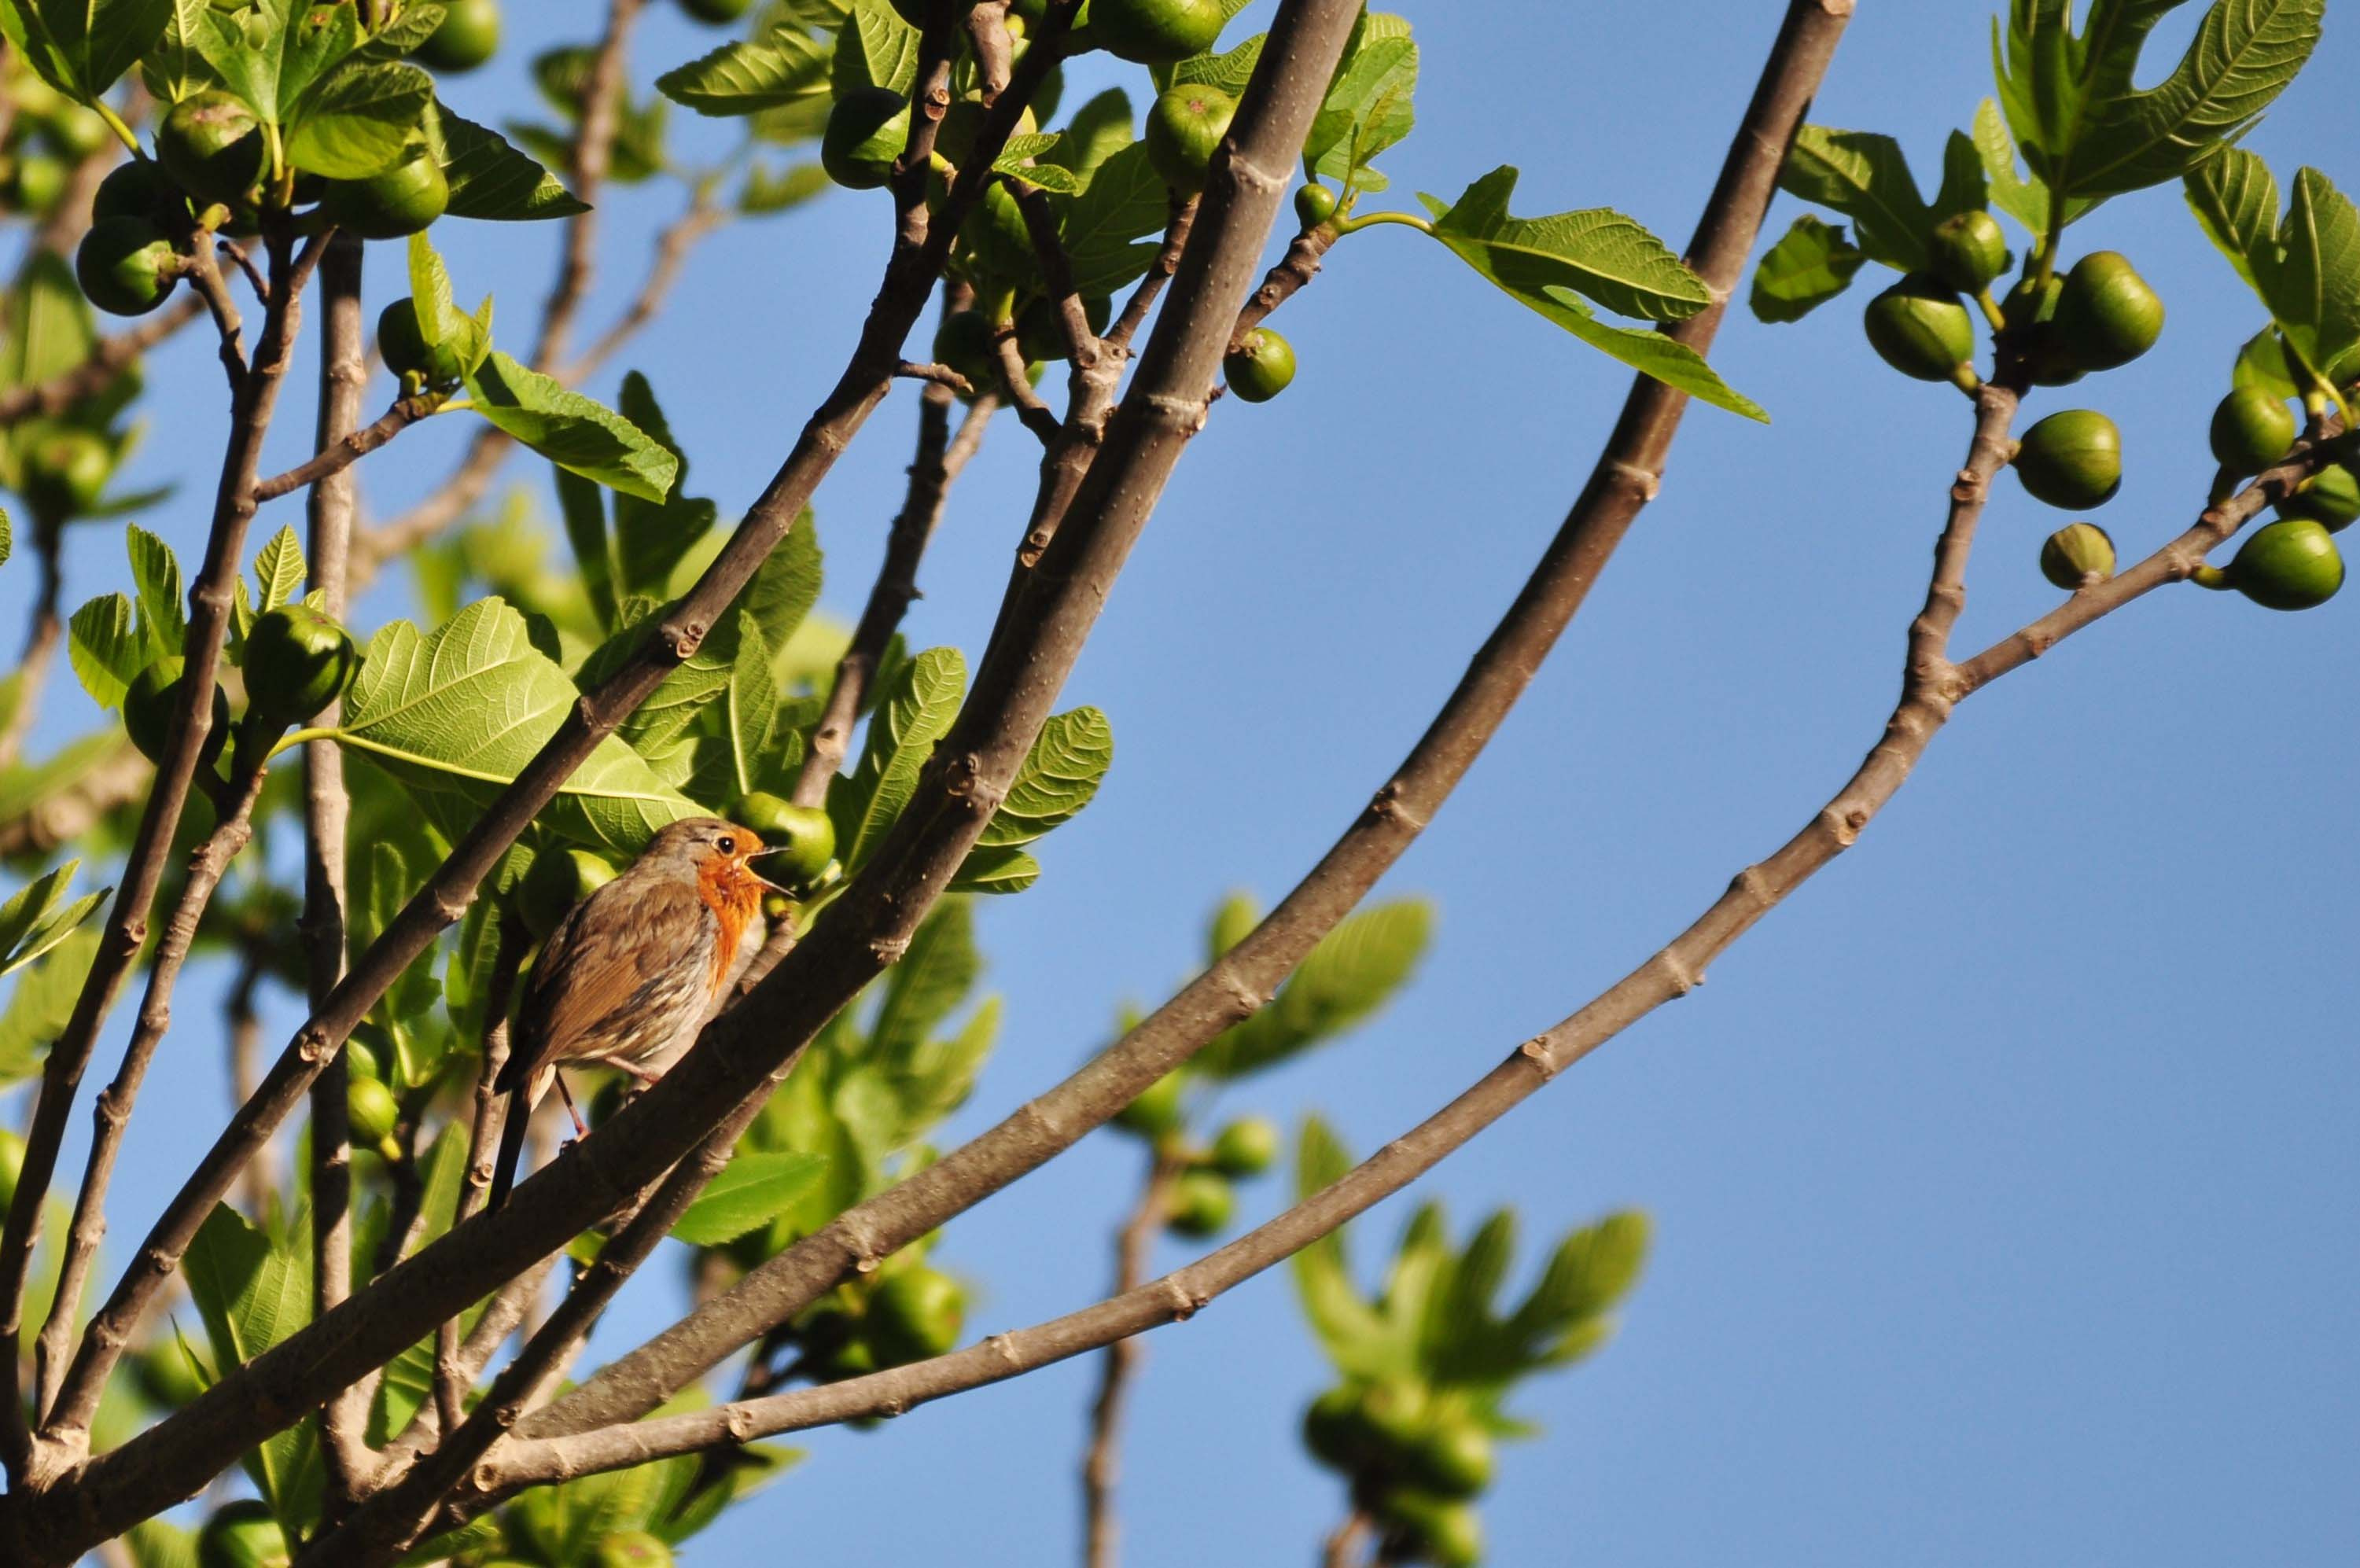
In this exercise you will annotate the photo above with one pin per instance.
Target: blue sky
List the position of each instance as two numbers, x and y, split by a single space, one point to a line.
2001 1181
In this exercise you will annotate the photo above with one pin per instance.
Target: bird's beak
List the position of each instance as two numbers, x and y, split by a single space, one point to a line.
773 887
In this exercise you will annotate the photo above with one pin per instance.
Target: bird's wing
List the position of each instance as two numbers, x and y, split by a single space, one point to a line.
595 967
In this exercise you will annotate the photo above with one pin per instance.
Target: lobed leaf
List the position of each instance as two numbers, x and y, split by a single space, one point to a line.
1060 773
1811 265
752 1190
1864 177
461 710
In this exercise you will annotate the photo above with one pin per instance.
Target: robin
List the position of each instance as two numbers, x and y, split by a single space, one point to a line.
629 974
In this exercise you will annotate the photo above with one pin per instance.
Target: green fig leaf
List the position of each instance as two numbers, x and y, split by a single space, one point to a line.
752 1190
359 119
1067 762
786 65
461 710
36 917
491 180
1864 177
1597 253
1811 265
571 430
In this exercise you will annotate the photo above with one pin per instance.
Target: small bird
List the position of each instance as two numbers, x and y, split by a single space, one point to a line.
629 974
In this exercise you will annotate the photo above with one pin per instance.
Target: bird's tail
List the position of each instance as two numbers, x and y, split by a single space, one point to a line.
511 1146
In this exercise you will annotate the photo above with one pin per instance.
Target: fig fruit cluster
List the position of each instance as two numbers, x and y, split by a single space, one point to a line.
906 1314
1415 1456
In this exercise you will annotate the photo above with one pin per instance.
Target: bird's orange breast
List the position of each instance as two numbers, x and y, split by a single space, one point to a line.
734 898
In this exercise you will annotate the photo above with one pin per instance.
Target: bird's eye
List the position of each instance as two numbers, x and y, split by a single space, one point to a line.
725 845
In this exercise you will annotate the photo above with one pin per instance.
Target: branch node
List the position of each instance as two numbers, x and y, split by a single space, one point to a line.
1650 482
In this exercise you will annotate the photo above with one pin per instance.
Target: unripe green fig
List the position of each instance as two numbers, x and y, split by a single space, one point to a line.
36 183
2252 429
402 344
402 201
2030 310
1259 367
151 699
1201 1204
1247 1147
632 1548
242 1535
126 267
1041 334
1156 1111
2078 556
140 188
212 145
1313 205
469 35
1400 1410
1452 1460
1338 1431
298 660
560 878
716 12
995 231
66 470
866 131
373 1111
2106 315
1184 127
2072 459
2291 564
914 1314
963 343
165 1377
1969 250
801 838
12 1165
76 131
1919 327
1447 1533
2330 497
1155 32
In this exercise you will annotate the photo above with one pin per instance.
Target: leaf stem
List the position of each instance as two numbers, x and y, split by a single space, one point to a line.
1407 220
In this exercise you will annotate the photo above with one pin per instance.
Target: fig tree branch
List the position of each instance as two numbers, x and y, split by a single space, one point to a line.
1102 1463
343 377
545 1213
255 393
110 1113
42 633
1016 385
941 375
1623 481
349 448
594 149
451 1376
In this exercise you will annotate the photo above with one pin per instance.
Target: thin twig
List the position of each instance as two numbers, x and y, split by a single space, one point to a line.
1343 1545
1624 479
111 1114
1016 385
42 633
245 1029
1102 1463
327 813
451 1377
349 448
941 375
674 242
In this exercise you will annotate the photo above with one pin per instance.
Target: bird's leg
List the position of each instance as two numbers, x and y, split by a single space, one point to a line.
581 1127
646 1076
